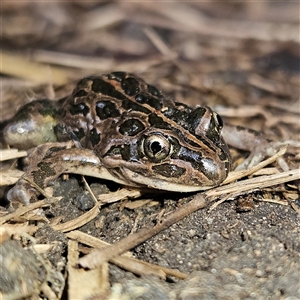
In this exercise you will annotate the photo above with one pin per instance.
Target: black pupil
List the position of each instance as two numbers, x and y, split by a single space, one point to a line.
155 147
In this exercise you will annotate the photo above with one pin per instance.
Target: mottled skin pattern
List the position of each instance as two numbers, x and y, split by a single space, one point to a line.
123 119
132 134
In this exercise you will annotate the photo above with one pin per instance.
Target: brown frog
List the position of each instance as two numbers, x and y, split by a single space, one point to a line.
123 129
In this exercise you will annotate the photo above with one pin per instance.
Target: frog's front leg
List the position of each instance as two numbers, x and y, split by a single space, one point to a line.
50 164
256 143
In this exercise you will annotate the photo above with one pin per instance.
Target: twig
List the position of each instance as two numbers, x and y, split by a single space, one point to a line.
125 261
89 189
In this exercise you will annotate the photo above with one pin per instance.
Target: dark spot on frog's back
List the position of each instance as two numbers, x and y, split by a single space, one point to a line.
151 101
131 127
154 91
94 137
158 122
130 86
126 153
105 88
168 170
79 134
80 108
106 109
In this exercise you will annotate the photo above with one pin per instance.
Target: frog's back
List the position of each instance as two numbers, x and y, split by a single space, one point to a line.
130 124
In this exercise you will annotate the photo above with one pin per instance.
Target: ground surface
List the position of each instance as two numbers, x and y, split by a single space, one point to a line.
241 59
229 255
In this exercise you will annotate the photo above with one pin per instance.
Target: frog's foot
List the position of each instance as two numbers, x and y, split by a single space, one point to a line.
50 166
264 150
23 191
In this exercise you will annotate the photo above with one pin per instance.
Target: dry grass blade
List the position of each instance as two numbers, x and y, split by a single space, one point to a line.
255 183
120 195
94 63
89 189
102 17
240 174
281 202
73 60
21 211
16 229
19 66
82 282
80 221
91 241
8 154
159 43
266 171
10 177
196 21
296 208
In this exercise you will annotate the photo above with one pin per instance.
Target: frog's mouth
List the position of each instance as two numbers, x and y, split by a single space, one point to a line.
122 174
160 184
173 175
133 179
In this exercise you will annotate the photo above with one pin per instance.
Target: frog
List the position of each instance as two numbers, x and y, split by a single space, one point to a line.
118 127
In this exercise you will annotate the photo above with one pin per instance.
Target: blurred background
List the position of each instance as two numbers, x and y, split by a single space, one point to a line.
241 58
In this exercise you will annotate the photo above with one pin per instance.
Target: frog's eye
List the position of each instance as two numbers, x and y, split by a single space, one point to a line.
156 147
